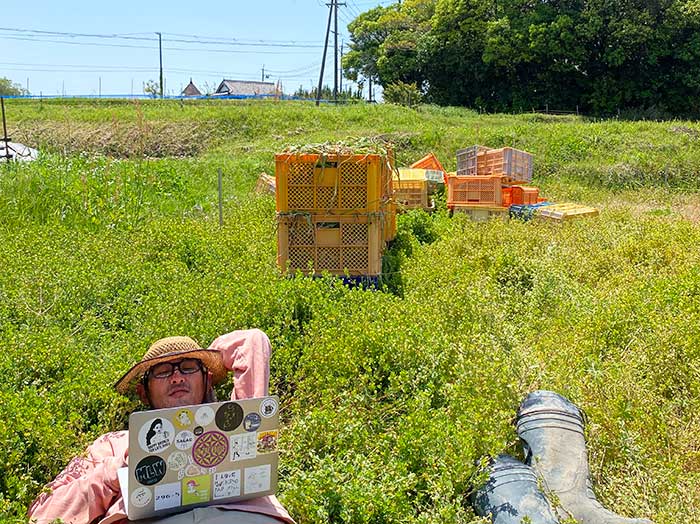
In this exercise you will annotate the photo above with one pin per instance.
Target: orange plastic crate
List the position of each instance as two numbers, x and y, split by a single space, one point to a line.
332 183
471 190
523 194
514 165
429 161
339 245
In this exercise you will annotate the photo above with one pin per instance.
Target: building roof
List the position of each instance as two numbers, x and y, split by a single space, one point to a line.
246 87
191 90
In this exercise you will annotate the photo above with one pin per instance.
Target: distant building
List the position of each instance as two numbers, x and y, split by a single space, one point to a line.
191 90
246 88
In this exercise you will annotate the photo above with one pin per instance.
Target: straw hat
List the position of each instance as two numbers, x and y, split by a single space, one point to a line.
172 348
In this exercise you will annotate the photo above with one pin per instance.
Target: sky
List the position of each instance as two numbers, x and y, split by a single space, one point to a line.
76 47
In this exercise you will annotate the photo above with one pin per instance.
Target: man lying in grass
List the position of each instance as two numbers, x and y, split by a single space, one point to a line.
174 372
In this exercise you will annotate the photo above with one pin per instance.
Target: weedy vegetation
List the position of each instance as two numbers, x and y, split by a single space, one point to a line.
392 397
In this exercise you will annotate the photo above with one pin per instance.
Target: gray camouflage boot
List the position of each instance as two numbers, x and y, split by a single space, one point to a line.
551 429
511 495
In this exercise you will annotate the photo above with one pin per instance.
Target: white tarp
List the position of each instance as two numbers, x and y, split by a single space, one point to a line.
18 152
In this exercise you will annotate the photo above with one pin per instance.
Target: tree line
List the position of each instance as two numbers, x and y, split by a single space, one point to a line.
600 56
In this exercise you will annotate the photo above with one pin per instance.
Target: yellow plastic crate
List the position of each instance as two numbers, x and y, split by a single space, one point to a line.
326 184
388 218
338 244
411 194
482 213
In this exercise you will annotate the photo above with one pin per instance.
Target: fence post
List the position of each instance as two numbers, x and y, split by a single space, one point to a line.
221 205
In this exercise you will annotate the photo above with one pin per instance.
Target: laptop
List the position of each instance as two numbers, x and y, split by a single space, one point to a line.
191 456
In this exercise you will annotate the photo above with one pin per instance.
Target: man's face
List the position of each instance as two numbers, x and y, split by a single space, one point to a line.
177 389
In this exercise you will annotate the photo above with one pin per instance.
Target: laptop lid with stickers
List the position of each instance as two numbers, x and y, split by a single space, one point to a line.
191 456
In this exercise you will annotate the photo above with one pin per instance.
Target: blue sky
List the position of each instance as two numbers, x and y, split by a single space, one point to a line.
205 41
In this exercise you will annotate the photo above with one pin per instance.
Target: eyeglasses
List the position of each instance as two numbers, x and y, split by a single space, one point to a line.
186 366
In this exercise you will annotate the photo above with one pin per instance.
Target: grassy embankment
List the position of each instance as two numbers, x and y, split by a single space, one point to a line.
112 241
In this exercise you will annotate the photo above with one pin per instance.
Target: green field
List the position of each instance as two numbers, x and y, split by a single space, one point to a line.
391 397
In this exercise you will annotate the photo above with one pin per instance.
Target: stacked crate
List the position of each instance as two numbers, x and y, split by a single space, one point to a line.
488 181
413 187
334 212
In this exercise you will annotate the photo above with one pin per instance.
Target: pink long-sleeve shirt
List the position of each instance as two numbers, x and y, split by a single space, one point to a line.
88 489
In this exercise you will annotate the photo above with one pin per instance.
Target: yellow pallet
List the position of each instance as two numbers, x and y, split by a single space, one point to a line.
565 211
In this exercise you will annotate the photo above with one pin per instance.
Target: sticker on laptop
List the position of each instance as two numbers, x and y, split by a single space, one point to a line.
184 440
257 479
141 496
167 496
184 418
196 490
267 442
268 407
252 422
210 449
243 446
150 470
204 416
227 484
177 460
156 435
229 416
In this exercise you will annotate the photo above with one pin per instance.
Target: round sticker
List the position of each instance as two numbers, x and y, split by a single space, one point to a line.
150 470
229 416
252 422
204 416
268 407
184 440
141 496
210 449
184 418
198 430
177 460
156 435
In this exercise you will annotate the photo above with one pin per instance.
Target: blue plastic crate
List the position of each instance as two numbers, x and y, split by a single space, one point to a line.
525 211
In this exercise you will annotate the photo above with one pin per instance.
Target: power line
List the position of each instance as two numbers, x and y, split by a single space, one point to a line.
189 39
127 46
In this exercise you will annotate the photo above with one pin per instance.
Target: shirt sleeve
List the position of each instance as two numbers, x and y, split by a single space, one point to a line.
87 487
247 353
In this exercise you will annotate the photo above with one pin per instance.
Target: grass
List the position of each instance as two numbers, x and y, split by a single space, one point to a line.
389 401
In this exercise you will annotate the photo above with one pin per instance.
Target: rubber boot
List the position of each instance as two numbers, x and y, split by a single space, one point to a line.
551 429
511 495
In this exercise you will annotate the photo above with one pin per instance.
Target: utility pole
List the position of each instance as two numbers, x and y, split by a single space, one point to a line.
335 33
262 78
342 45
160 54
335 49
99 87
27 85
323 60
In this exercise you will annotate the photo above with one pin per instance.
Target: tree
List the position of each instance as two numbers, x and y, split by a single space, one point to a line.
8 88
601 56
384 43
402 94
152 88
